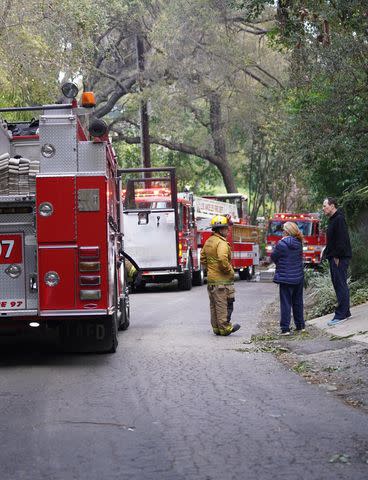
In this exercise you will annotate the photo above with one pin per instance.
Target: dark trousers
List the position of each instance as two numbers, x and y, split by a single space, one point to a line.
291 298
339 277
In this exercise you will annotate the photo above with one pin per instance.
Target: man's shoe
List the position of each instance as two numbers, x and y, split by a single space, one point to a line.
300 330
335 321
235 328
285 334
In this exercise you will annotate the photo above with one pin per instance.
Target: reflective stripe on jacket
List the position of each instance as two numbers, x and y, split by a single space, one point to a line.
130 270
216 258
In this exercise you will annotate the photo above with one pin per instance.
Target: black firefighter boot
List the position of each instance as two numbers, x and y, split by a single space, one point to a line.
235 328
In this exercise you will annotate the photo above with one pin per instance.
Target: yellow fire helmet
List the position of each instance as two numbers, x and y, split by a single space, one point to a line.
219 221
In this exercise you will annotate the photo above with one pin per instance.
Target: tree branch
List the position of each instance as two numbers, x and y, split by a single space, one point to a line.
123 89
253 32
269 75
171 145
255 77
240 19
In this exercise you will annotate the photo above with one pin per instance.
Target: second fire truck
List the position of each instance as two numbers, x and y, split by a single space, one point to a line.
243 238
310 226
165 230
160 229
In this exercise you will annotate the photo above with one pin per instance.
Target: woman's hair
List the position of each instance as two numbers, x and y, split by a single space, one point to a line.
292 229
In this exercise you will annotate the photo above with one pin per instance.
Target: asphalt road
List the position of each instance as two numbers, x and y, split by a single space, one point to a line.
174 403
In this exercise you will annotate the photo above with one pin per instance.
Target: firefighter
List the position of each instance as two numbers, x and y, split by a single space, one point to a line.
132 274
216 258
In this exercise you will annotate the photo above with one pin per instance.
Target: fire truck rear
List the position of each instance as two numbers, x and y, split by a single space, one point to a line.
160 229
243 238
60 235
310 226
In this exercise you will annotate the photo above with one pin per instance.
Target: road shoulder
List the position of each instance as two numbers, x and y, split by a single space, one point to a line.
331 359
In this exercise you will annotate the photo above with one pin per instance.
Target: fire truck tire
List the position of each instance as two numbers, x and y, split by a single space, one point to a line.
112 323
125 313
185 281
112 327
247 273
198 277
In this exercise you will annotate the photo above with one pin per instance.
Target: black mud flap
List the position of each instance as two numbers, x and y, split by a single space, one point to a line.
89 335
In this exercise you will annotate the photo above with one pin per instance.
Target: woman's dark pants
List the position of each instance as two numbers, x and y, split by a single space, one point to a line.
339 277
291 298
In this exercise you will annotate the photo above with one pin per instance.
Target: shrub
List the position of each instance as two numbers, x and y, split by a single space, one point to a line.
310 273
321 298
359 291
359 242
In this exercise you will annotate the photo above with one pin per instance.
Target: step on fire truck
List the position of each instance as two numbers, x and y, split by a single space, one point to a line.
61 245
160 229
243 238
310 226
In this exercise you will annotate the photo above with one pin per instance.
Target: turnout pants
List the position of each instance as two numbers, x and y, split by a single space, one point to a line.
222 299
291 298
339 277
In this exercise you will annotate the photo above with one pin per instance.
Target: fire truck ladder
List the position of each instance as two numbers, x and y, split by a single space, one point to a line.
207 208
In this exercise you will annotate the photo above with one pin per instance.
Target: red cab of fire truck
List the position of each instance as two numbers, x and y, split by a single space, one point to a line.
160 229
243 238
60 232
310 226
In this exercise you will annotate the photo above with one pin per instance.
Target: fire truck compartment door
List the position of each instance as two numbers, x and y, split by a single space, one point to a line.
56 206
59 263
150 238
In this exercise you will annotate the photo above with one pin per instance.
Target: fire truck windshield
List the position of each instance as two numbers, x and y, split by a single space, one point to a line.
275 227
147 204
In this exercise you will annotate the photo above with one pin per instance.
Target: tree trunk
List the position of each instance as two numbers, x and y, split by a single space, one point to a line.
219 144
144 127
228 177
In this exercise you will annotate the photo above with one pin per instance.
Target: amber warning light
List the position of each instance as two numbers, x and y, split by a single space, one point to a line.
88 99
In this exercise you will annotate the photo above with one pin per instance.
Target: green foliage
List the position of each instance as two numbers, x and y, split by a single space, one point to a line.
359 291
359 242
355 204
42 41
311 273
321 298
319 122
190 171
252 8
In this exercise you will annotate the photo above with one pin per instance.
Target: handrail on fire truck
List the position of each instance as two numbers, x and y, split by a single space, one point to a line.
56 106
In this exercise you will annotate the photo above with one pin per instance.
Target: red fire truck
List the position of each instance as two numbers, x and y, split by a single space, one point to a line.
61 241
243 238
310 226
159 228
165 230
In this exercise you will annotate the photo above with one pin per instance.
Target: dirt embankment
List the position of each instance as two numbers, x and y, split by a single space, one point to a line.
337 365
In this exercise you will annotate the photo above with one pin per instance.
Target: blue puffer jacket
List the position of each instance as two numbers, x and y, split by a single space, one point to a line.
288 257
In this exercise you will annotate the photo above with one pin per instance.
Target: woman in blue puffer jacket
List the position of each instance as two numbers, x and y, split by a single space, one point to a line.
288 257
